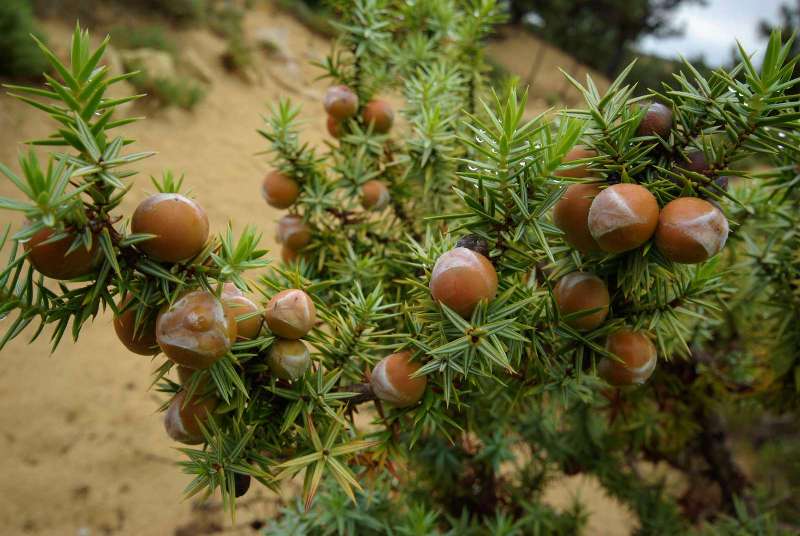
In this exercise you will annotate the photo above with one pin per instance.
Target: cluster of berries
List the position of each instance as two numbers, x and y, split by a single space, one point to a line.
293 233
198 328
281 191
621 218
596 220
624 217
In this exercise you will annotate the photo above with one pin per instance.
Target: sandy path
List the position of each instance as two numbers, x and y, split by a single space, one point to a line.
83 450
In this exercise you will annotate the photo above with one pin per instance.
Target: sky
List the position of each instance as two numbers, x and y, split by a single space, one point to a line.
712 30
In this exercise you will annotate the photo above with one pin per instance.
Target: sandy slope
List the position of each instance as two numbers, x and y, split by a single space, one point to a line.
83 451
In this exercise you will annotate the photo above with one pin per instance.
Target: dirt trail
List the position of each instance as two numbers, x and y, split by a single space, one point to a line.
84 451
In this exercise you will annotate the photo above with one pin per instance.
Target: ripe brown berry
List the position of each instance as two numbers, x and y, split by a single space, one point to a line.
391 380
290 314
278 190
657 120
379 114
181 420
241 483
293 232
571 215
691 230
334 127
623 217
340 102
230 289
196 330
52 259
237 306
180 226
374 195
475 243
579 152
582 291
637 355
139 339
695 161
288 359
288 255
461 278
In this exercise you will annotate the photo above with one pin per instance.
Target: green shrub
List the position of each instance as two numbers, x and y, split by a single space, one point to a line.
497 74
226 21
185 93
19 55
312 14
181 11
182 92
176 11
154 36
238 56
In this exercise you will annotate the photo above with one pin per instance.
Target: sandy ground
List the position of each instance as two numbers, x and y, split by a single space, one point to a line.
83 450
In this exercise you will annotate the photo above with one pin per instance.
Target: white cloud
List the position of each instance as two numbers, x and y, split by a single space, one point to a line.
712 30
